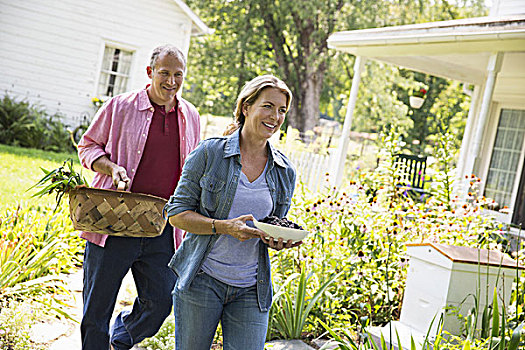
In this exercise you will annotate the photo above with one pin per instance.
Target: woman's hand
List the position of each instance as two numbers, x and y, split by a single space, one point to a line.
237 228
279 243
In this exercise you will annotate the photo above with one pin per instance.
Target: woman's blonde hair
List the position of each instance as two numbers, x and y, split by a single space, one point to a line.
249 94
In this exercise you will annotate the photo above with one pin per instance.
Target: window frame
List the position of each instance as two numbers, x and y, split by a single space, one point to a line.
493 128
101 71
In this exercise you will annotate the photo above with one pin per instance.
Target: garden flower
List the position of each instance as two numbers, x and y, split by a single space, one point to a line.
505 210
420 93
97 102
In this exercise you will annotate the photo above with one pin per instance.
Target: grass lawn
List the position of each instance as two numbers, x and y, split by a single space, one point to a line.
20 169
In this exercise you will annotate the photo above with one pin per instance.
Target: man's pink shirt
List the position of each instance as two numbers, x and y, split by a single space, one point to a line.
120 130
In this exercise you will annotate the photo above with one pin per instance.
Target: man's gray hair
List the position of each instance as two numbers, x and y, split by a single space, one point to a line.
168 50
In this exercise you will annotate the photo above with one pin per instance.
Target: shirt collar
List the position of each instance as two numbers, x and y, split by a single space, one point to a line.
145 102
233 148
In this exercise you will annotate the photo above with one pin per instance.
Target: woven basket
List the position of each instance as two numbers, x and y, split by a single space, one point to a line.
116 213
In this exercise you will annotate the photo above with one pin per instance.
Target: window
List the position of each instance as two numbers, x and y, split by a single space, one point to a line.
114 75
518 218
506 156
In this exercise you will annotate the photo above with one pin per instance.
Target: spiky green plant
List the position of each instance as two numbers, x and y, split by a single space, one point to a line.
292 307
59 181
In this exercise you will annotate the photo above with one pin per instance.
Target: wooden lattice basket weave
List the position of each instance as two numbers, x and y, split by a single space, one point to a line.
116 213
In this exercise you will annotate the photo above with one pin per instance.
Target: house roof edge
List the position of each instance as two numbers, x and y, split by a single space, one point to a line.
202 28
478 28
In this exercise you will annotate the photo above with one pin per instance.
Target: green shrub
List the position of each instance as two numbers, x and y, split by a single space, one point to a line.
362 234
36 246
26 125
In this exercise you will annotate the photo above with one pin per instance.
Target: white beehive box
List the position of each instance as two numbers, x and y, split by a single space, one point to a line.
443 278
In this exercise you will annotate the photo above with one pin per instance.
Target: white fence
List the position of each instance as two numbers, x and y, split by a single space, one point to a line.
312 169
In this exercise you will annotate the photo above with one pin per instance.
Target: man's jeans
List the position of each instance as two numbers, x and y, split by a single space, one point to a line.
199 309
104 270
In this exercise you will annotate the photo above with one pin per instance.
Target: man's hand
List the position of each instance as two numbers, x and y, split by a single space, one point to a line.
119 174
105 166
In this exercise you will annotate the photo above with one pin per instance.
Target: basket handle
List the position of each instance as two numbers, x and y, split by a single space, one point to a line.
121 186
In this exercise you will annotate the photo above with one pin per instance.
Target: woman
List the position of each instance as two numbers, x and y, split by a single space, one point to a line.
222 266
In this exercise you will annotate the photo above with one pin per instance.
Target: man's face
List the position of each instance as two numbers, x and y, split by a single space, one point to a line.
166 78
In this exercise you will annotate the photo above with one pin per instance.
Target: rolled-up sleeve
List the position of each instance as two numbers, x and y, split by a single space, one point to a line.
188 192
93 143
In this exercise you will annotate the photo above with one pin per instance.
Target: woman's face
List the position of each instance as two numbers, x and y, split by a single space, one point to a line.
266 115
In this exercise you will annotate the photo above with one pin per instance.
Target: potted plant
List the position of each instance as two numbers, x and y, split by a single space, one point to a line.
417 98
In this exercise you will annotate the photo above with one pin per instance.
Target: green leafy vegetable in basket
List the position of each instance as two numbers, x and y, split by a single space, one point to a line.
61 180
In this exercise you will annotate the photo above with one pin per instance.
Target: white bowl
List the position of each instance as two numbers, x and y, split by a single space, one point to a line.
277 232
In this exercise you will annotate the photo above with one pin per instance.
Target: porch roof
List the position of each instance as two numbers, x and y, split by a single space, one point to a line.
457 49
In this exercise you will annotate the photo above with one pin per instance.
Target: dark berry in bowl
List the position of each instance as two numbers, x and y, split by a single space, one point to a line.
284 222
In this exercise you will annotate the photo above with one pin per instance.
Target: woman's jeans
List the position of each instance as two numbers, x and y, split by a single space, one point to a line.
199 309
104 270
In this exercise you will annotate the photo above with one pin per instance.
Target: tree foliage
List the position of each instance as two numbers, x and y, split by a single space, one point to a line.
288 38
219 64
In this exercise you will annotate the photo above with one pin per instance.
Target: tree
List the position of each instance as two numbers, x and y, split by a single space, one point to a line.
249 34
298 31
288 38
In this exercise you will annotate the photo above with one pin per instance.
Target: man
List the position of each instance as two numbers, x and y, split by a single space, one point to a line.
141 138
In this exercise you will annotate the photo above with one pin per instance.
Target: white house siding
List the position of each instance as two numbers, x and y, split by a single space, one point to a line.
51 51
507 7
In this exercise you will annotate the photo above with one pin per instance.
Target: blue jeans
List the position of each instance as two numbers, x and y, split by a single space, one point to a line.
104 270
199 309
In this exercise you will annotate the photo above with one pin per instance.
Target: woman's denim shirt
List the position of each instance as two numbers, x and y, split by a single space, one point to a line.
207 185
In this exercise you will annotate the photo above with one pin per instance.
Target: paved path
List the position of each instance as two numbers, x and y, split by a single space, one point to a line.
65 334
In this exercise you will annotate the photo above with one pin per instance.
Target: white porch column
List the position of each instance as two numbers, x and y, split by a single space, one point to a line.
467 135
338 166
493 68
